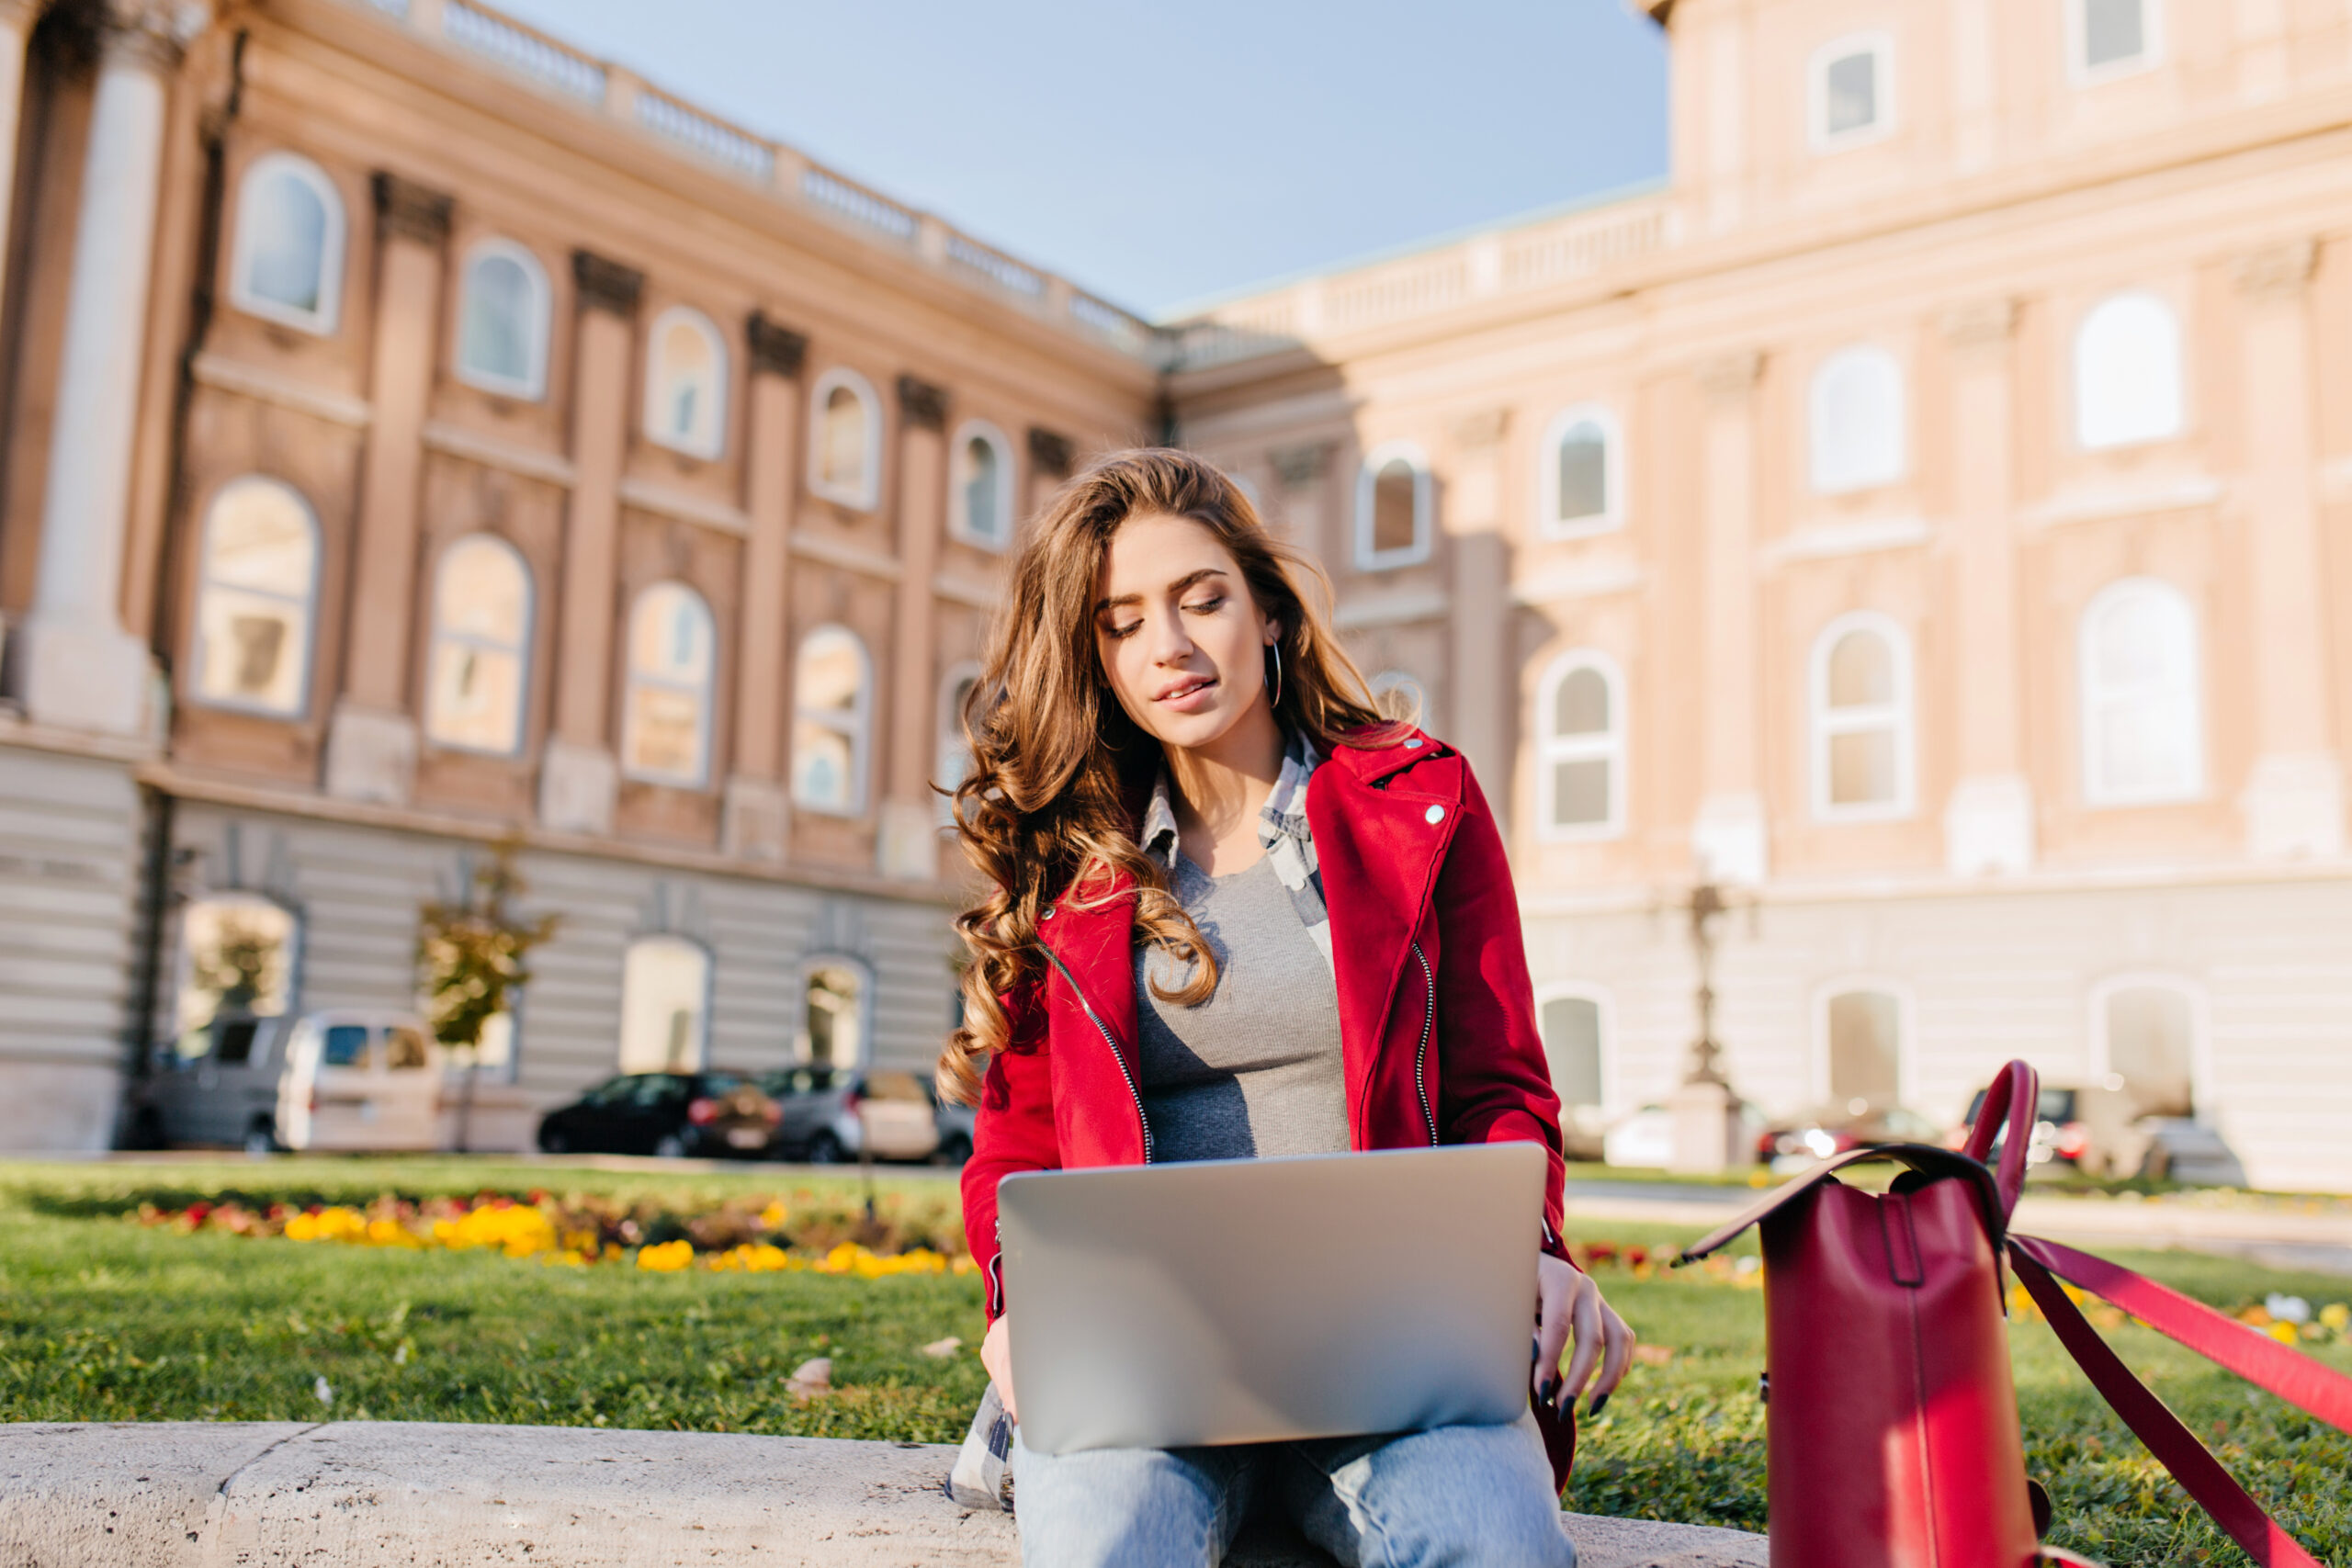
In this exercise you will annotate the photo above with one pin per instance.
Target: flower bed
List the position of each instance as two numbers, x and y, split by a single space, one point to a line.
736 1235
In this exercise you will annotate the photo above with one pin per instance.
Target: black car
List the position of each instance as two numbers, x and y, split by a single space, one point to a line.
709 1114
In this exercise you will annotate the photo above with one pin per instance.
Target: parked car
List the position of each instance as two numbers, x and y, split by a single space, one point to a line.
957 1125
709 1114
1645 1138
831 1114
2098 1130
1830 1130
337 1079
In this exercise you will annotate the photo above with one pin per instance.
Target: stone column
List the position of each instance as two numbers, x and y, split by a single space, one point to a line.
1304 473
757 817
1731 835
17 19
578 778
1052 458
2294 800
1989 821
910 822
80 668
1481 696
371 745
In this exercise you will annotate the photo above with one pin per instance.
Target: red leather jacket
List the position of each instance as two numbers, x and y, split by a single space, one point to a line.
1436 1016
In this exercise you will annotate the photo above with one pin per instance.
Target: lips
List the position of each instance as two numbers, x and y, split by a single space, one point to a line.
1192 685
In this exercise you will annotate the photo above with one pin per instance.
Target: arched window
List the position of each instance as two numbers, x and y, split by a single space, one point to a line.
1572 1021
477 685
1858 422
502 321
289 263
980 495
1862 1040
238 954
1392 504
955 756
686 384
1582 482
1580 748
1861 718
672 660
1852 91
2114 38
665 1005
834 1027
832 698
2127 374
2147 1033
845 440
1400 695
2142 724
257 582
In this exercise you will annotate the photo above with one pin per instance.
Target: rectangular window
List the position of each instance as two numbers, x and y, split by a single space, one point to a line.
1571 1028
1849 95
2115 32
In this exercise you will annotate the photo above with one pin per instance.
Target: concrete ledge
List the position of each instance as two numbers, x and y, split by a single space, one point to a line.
149 1495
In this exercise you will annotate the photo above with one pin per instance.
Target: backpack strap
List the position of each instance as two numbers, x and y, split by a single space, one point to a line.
2199 1473
1926 1163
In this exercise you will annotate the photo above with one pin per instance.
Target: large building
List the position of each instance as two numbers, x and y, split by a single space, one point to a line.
1926 515
1929 514
418 431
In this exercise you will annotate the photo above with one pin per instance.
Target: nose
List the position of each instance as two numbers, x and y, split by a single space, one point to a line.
1169 642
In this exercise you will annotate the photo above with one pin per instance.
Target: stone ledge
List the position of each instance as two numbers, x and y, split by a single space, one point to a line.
213 1494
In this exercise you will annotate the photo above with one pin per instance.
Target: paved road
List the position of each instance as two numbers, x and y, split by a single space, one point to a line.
2273 1236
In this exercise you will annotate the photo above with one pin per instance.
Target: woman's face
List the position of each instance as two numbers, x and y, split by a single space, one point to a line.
1182 640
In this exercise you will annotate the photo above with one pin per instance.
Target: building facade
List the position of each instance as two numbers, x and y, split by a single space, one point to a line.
1929 515
420 435
1926 515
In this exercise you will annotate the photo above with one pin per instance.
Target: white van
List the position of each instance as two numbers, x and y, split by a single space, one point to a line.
336 1080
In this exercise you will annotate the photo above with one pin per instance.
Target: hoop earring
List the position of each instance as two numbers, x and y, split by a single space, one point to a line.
1274 698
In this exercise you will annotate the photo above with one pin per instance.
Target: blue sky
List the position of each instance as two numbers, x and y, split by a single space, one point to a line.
1165 153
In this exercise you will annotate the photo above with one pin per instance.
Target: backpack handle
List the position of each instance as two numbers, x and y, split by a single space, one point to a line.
2011 1101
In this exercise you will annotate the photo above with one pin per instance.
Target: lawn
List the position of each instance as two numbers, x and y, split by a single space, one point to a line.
105 1318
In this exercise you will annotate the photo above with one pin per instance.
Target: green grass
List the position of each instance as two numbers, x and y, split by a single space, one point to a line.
102 1319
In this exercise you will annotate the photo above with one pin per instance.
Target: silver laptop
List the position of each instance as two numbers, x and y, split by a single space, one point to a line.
1253 1300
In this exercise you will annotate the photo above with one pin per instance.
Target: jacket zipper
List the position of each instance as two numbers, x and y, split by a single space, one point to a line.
1104 1029
1421 1056
996 1269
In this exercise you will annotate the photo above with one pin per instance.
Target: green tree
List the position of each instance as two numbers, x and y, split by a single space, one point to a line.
469 958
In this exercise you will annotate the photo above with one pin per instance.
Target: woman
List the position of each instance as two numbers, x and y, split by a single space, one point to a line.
1174 763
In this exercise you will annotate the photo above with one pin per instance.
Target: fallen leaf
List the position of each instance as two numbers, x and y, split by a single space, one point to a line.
1653 1355
940 1349
811 1379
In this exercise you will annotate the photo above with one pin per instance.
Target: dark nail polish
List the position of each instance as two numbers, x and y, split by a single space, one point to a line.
1550 1392
1592 1411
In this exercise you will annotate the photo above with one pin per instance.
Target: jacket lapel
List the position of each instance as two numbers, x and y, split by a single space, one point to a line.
1379 852
1091 946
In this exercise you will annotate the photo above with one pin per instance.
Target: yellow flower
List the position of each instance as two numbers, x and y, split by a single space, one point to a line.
514 1229
2282 1332
2337 1316
773 1215
667 1259
333 1224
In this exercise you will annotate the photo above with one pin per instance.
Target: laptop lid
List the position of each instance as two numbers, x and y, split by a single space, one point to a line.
1257 1300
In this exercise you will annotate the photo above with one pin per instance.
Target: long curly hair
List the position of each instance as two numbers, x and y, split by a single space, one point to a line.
1059 771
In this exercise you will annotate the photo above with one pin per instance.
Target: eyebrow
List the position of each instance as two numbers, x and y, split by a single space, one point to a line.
1178 586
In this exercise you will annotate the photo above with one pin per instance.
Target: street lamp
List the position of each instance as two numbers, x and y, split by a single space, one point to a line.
1707 1129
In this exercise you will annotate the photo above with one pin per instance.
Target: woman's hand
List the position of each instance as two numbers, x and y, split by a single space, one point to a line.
996 1355
1566 1301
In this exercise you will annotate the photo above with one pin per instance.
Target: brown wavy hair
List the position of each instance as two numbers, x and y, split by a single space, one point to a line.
1059 771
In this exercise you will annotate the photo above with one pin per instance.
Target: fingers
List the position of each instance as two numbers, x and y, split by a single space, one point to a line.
1554 1297
1619 1335
1587 1320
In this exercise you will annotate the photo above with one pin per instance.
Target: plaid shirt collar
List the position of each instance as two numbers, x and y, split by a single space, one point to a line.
1284 815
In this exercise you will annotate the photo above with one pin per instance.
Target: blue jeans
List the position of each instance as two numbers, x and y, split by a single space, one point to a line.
1451 1495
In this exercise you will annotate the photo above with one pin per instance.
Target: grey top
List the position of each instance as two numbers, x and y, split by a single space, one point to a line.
1255 1070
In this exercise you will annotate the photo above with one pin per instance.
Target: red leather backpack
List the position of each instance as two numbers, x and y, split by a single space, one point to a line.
1891 1429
